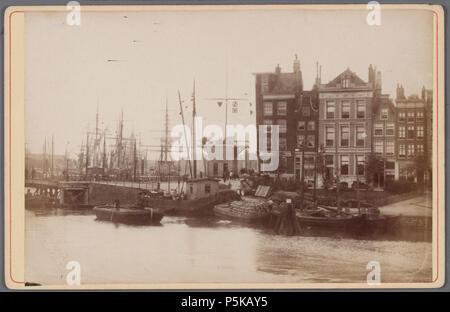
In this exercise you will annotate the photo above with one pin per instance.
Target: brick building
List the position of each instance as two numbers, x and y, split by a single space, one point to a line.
427 97
411 136
306 145
277 101
346 107
384 137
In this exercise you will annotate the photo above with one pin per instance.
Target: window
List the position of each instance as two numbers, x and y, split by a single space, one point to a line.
361 109
411 150
282 123
191 189
215 169
378 129
401 132
390 129
329 132
268 123
345 136
419 149
330 110
410 116
207 188
419 116
345 113
345 83
384 114
390 165
311 125
300 141
329 160
306 111
329 166
390 148
420 131
268 109
345 160
379 147
401 151
401 116
311 141
360 136
282 143
360 164
301 125
281 108
410 132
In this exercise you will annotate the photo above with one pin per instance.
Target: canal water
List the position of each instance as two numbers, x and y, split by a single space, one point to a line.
185 250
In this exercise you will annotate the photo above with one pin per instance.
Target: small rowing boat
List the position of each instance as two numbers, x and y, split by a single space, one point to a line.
128 215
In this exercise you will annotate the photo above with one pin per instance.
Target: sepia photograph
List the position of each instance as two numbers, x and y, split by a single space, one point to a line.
227 146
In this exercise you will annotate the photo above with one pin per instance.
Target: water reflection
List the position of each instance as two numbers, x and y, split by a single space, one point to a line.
207 250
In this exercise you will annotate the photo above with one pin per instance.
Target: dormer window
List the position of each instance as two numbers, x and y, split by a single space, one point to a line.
345 82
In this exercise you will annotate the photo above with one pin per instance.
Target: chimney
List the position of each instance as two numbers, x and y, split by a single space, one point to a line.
296 64
370 75
378 81
400 92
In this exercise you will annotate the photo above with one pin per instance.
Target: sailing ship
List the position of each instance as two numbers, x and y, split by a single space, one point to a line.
201 193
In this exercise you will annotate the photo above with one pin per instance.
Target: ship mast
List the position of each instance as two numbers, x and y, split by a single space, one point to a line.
52 159
194 145
185 136
119 144
104 165
87 153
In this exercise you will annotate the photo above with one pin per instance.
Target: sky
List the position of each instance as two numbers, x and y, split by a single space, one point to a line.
136 60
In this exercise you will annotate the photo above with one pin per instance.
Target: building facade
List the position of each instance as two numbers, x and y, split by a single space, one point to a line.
384 138
343 124
411 137
306 140
277 101
346 107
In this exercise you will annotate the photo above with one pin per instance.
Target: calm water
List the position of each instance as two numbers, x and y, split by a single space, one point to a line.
188 250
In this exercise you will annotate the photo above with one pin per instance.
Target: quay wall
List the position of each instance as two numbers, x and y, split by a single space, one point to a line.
413 228
107 194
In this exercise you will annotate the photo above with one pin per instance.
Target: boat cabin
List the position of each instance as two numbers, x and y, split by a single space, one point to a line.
201 187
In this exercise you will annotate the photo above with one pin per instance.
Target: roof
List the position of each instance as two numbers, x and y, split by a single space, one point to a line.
354 80
283 83
287 83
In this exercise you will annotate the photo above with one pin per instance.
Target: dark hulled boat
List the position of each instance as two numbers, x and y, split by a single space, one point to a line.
323 219
373 220
129 215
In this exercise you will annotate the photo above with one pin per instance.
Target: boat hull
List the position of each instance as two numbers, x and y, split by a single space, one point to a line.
247 210
145 216
191 207
348 223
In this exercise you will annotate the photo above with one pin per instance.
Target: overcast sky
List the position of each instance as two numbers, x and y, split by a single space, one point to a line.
133 60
